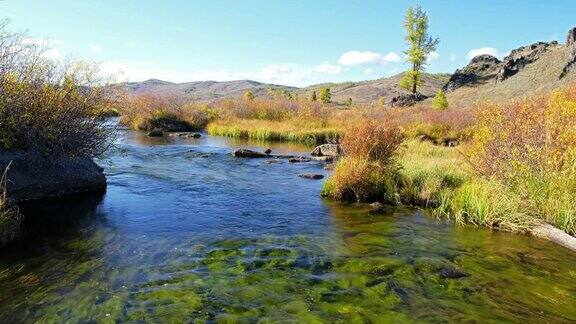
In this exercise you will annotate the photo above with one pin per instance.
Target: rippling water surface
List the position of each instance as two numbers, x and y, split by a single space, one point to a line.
186 233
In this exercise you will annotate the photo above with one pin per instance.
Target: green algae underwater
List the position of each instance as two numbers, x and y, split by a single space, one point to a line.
187 233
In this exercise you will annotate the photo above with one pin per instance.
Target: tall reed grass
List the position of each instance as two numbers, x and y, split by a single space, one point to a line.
9 215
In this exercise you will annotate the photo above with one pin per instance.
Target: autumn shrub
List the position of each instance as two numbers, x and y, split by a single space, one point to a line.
369 171
168 112
49 106
437 125
530 147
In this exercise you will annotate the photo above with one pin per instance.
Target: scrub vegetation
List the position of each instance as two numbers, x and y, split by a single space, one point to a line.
516 170
49 106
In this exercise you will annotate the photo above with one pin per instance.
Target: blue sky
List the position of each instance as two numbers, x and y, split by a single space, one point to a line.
285 42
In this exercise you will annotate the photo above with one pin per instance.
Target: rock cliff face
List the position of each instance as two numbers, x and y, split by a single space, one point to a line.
481 69
33 176
571 62
488 69
522 56
571 38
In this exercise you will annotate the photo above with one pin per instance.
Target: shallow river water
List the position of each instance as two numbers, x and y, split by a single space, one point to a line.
186 232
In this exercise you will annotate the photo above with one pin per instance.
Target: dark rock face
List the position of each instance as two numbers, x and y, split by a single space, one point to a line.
571 38
571 62
481 68
522 56
311 176
405 100
327 150
249 154
33 176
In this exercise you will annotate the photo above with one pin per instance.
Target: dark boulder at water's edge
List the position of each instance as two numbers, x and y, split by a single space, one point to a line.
34 176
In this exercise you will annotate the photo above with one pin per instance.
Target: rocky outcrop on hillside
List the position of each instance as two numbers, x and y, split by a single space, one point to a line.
486 68
406 100
571 44
522 56
34 176
571 38
480 69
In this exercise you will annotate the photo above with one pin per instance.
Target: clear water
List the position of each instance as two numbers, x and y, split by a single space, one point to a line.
188 233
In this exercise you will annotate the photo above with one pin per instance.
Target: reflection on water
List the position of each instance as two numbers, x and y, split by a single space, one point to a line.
186 231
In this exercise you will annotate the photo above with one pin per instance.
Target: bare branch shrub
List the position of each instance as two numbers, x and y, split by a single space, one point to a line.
49 106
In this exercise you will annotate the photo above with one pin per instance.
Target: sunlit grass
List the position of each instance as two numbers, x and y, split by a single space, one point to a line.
289 130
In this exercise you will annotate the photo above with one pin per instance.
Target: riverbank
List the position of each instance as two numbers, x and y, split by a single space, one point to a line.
186 230
511 175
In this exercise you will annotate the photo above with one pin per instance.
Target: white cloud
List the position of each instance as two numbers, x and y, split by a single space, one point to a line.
368 71
433 56
95 48
483 50
286 74
392 57
328 68
367 57
276 71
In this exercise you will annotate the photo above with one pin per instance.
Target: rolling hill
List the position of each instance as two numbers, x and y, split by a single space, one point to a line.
528 70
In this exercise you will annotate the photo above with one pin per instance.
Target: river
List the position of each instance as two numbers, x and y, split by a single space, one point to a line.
186 232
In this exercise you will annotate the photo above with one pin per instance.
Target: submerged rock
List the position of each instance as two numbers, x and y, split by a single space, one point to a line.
272 161
249 154
156 133
451 273
187 134
311 176
327 150
34 176
377 208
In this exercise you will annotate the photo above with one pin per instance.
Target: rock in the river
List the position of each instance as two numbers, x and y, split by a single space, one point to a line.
329 166
451 273
268 151
249 154
311 176
377 208
34 176
187 134
272 161
327 150
298 159
156 133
